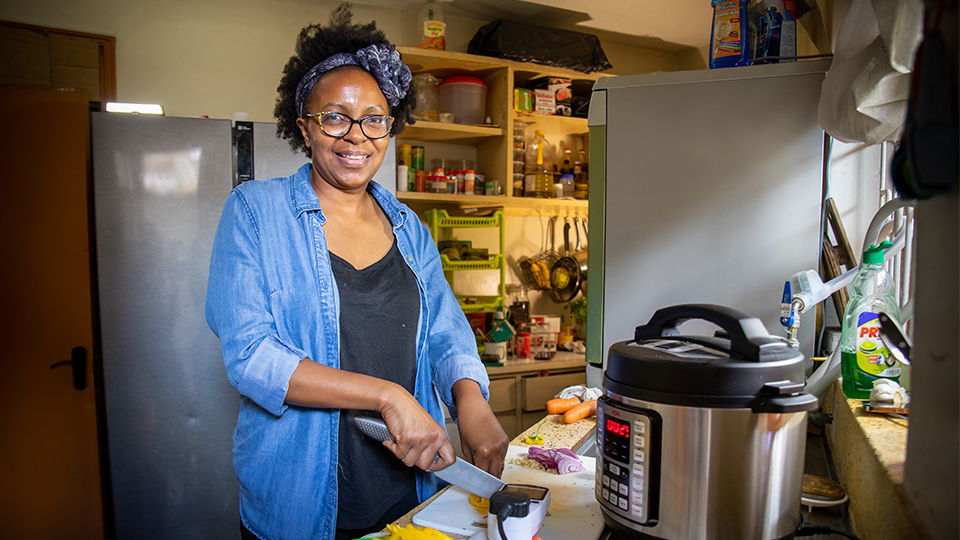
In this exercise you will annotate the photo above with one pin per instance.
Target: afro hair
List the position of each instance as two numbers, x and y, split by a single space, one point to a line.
317 43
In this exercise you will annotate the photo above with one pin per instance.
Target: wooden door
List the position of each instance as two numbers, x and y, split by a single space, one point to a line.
51 474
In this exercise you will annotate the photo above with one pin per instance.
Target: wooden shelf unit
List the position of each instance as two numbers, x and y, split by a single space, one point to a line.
494 143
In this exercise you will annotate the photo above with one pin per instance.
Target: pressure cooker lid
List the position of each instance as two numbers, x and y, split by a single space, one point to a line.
728 371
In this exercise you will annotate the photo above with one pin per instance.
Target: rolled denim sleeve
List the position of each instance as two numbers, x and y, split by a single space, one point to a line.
257 361
451 347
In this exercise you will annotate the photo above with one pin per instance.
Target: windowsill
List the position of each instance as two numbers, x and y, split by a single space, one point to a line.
869 451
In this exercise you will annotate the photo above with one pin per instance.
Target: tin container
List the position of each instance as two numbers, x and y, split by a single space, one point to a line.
404 154
416 158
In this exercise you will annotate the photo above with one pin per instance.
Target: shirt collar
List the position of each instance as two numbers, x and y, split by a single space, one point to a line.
304 198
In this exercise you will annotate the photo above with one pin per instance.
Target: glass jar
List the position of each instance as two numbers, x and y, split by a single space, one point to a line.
428 96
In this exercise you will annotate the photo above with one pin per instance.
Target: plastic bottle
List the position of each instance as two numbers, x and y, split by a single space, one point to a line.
864 359
432 27
538 179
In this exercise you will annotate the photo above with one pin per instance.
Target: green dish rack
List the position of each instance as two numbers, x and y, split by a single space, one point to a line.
439 219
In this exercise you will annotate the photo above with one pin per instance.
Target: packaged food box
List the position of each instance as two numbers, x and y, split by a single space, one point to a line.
562 92
545 102
522 100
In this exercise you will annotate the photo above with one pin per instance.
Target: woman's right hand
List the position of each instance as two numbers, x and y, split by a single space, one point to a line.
419 438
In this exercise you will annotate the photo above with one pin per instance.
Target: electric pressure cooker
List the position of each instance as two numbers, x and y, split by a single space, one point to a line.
702 437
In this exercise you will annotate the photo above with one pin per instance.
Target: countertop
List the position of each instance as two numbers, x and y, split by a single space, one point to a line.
869 451
556 434
562 360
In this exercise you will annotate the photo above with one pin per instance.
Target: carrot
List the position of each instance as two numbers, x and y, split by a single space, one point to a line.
560 406
581 411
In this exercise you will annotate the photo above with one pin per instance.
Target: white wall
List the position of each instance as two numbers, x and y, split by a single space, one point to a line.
217 57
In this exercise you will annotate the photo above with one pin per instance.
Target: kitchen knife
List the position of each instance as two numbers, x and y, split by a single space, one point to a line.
461 474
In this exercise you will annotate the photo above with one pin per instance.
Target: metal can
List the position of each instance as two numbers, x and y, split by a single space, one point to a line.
522 348
404 155
416 158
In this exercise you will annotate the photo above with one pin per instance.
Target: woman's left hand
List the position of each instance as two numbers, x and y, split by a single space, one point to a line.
483 441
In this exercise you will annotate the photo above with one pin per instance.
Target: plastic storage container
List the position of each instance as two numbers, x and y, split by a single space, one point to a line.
465 98
864 358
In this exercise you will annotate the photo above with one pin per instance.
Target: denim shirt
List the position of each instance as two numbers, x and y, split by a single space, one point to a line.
272 300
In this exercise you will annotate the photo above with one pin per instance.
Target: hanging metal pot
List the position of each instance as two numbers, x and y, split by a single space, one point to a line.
565 273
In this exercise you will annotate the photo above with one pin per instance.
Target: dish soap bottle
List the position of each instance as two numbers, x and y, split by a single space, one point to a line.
863 356
432 26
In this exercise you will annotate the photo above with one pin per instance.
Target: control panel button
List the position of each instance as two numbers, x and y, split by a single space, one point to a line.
606 481
638 456
606 494
639 427
615 469
623 504
623 489
614 486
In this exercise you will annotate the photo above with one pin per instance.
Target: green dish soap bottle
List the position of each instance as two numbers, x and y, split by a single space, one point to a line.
864 358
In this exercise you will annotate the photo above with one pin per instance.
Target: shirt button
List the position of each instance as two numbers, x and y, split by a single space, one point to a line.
417 395
410 259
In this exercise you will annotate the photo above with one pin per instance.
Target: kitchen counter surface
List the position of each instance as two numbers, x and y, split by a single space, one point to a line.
870 452
562 360
556 435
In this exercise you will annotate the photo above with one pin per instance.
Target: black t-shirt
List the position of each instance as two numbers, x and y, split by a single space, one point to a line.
379 311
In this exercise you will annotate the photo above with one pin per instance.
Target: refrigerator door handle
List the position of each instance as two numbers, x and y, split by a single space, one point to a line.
78 359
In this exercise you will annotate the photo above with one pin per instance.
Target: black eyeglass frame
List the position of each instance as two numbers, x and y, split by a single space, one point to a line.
319 117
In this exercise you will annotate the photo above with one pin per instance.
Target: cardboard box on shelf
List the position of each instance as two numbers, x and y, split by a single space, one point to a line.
560 89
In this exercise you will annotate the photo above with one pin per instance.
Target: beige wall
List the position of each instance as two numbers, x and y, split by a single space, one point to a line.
217 57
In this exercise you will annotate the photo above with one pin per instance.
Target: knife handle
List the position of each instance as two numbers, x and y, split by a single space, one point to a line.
376 428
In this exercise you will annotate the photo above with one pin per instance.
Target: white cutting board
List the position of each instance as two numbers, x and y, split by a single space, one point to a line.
574 510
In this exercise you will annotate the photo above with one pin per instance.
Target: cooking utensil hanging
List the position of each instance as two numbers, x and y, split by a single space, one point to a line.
581 257
565 273
536 269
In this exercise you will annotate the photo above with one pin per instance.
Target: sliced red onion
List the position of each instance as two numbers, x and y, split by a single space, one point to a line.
561 459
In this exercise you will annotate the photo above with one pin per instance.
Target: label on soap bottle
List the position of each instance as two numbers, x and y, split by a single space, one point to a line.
872 356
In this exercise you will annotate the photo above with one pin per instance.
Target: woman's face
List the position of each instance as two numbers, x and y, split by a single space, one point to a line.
351 161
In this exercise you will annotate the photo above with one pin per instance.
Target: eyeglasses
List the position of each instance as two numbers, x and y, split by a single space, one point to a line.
334 124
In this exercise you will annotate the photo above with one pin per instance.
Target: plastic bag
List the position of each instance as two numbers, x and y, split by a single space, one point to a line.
526 42
864 95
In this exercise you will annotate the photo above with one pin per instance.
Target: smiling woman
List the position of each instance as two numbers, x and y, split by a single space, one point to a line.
330 303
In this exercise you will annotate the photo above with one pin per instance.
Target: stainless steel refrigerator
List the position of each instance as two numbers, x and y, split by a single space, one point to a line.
709 184
159 187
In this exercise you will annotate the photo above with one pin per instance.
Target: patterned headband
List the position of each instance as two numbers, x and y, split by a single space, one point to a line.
382 61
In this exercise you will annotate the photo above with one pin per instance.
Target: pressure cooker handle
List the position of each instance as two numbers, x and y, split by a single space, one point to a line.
746 332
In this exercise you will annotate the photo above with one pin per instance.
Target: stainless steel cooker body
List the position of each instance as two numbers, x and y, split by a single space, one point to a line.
699 473
702 437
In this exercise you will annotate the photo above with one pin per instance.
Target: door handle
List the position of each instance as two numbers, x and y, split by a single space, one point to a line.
78 359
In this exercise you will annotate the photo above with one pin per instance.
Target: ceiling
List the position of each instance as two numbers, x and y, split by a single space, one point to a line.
670 25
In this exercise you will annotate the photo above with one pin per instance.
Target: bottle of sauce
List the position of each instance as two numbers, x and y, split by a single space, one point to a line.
580 178
432 27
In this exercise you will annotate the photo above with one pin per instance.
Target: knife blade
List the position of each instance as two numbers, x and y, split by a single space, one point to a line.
461 473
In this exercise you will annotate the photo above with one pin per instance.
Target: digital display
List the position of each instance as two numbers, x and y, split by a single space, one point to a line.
618 428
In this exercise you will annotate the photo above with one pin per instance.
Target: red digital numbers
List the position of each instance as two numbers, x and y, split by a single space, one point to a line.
617 428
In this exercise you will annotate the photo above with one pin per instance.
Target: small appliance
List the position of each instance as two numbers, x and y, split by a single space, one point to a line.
702 436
